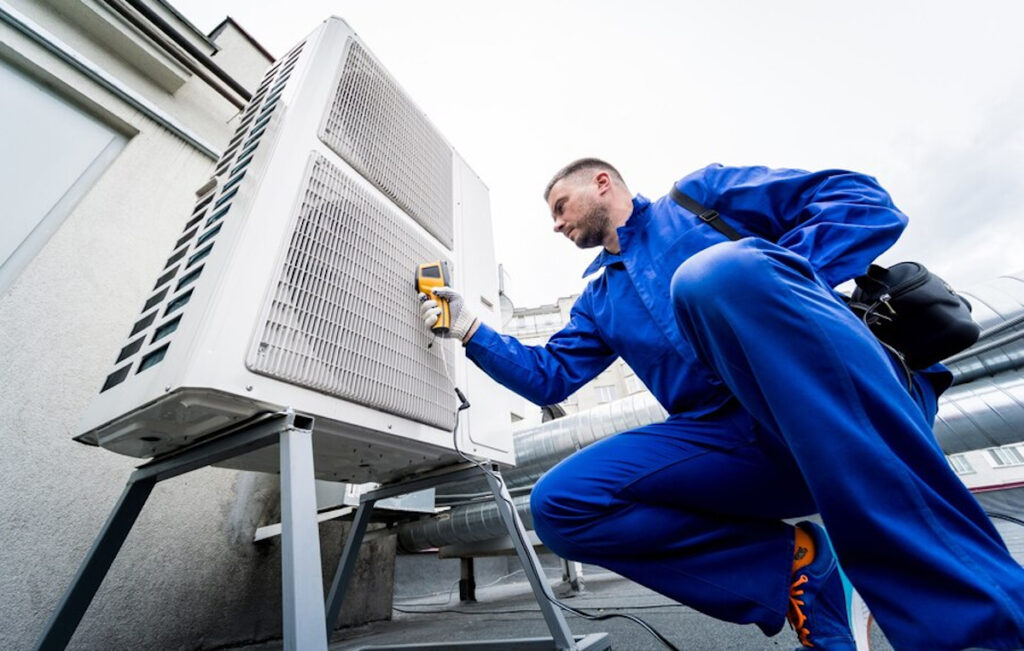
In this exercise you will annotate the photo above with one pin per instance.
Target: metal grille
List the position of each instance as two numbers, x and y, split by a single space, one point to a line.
374 126
344 318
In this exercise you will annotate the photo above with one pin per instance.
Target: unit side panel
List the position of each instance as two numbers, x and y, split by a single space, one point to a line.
488 428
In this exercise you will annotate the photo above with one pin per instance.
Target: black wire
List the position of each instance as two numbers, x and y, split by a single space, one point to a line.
464 404
1004 516
516 611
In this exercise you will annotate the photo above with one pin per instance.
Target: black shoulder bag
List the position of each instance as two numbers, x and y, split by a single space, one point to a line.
909 309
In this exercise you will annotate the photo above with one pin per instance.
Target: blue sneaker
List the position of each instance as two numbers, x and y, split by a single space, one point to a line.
824 609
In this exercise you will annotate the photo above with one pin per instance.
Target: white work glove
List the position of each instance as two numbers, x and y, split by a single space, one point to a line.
462 318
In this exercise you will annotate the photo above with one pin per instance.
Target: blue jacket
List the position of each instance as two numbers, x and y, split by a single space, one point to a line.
840 221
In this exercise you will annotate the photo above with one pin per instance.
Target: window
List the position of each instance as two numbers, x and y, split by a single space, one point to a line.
960 464
52 155
1010 455
550 321
634 385
604 394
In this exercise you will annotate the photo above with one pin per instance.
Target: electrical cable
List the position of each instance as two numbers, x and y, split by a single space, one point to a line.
456 584
413 597
518 611
464 404
1004 516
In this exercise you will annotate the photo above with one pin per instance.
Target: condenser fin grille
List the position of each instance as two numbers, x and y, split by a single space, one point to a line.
377 129
343 319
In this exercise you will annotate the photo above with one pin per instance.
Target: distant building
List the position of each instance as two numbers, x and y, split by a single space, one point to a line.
533 326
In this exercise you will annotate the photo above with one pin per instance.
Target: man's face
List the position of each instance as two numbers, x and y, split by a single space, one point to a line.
578 212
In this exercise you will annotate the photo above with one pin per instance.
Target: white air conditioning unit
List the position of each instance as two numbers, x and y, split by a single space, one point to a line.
292 284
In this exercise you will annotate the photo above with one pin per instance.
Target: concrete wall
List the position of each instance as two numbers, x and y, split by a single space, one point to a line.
189 575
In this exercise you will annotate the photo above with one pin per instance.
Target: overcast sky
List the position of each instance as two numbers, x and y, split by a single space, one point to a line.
926 96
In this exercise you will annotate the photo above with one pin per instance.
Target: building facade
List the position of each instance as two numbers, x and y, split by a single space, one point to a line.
113 115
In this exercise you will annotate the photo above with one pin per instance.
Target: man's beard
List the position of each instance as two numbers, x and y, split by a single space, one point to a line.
592 227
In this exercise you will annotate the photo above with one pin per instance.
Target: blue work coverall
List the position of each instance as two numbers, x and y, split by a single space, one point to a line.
781 403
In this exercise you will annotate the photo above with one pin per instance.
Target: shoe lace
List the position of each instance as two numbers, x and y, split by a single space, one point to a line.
797 618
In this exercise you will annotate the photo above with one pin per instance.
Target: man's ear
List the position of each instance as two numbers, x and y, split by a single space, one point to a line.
603 180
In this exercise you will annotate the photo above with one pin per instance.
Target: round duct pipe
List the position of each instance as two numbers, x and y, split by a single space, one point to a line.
998 306
982 414
468 523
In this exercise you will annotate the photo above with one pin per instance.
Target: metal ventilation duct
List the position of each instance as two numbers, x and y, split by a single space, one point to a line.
982 414
998 306
465 524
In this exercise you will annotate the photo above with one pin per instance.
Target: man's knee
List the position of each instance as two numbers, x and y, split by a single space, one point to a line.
555 515
716 272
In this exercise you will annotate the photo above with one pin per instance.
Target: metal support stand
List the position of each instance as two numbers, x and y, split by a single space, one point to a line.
302 583
572 576
561 638
467 581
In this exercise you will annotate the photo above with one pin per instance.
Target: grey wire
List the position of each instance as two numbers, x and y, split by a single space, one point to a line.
450 592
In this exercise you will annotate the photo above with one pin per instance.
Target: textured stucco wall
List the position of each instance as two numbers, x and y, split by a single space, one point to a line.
237 56
189 575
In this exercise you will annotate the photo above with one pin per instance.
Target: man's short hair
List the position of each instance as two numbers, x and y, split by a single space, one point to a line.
581 165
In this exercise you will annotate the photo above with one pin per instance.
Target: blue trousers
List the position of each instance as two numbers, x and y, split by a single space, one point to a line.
822 422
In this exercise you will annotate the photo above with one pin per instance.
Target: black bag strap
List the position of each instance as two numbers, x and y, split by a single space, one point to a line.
706 215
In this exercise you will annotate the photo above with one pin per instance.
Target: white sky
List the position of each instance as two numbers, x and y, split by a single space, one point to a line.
926 96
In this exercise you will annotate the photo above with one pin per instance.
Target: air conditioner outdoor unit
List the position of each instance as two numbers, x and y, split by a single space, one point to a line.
292 284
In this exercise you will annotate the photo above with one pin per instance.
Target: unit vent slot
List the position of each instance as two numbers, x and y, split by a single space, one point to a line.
185 238
374 126
202 203
226 198
195 220
178 303
343 318
165 278
200 255
130 350
208 234
188 278
153 300
177 256
117 377
166 329
143 323
217 215
153 358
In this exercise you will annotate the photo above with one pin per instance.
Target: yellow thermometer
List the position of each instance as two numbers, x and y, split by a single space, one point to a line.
430 276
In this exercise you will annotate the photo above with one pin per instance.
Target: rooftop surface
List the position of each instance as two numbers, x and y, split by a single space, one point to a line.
427 608
507 610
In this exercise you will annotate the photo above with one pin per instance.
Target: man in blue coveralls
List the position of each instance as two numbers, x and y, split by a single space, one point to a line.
781 403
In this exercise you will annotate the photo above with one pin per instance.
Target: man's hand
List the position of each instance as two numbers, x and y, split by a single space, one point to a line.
463 321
